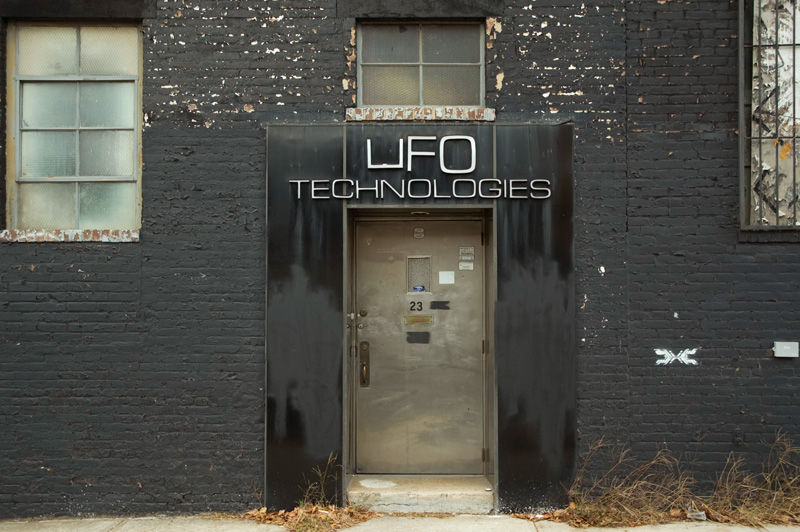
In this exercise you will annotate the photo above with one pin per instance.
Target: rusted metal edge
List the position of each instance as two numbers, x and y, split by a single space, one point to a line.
69 235
466 114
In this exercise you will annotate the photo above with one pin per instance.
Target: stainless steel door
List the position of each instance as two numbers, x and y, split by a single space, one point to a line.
419 335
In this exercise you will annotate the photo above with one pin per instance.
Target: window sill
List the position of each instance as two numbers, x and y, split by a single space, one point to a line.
406 113
752 234
69 235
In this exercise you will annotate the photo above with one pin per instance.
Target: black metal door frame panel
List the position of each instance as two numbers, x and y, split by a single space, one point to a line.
534 333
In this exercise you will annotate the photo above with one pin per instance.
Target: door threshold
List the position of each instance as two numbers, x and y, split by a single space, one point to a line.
457 494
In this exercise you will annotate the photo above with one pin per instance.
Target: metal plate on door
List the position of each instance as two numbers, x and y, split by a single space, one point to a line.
418 319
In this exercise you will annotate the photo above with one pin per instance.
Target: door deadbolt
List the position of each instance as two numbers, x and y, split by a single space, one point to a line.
360 325
362 312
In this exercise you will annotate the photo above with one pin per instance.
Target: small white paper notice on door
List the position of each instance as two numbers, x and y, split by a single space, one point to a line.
447 277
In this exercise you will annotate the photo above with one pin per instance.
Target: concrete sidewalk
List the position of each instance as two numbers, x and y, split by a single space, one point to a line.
458 523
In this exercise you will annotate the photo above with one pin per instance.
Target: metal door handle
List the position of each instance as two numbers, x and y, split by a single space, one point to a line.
363 357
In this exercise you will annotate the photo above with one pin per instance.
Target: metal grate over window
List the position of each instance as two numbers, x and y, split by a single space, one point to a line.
416 64
419 274
770 116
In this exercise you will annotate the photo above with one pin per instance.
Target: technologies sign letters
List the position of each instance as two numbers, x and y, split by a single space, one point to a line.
415 147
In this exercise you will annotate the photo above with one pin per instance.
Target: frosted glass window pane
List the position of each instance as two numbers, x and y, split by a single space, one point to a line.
419 274
45 50
106 153
110 51
107 206
451 43
389 44
107 104
48 153
390 85
46 105
451 85
46 206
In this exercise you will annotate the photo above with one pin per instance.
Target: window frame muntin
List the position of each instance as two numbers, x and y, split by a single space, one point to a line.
78 129
480 65
14 129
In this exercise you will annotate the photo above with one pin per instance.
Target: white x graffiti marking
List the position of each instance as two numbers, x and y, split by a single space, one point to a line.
669 358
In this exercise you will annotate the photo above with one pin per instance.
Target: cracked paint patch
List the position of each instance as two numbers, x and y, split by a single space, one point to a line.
365 114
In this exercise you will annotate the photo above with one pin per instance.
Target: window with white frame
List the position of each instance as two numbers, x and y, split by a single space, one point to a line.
771 117
420 64
73 126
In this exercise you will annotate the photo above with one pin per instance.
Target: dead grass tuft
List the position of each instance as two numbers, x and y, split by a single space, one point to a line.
317 511
322 489
771 496
312 518
628 494
659 491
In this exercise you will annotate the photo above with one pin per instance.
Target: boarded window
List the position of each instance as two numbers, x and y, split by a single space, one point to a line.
772 118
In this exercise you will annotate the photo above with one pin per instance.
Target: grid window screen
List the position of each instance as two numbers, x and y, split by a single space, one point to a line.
390 44
419 274
77 123
773 116
396 84
107 205
46 205
449 43
421 64
109 51
47 51
49 105
448 85
48 154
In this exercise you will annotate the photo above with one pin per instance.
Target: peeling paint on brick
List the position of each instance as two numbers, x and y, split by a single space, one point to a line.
67 235
366 114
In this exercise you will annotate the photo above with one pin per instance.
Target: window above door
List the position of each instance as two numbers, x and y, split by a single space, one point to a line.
420 70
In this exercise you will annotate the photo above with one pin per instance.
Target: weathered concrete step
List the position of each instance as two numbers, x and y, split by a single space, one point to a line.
422 493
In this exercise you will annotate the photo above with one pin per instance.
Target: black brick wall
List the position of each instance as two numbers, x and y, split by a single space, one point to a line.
692 283
132 375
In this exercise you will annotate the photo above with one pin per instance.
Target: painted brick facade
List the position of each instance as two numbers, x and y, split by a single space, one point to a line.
132 374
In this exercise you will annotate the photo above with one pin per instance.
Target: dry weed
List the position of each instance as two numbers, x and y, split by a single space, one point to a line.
312 518
323 487
660 491
629 493
317 511
771 496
